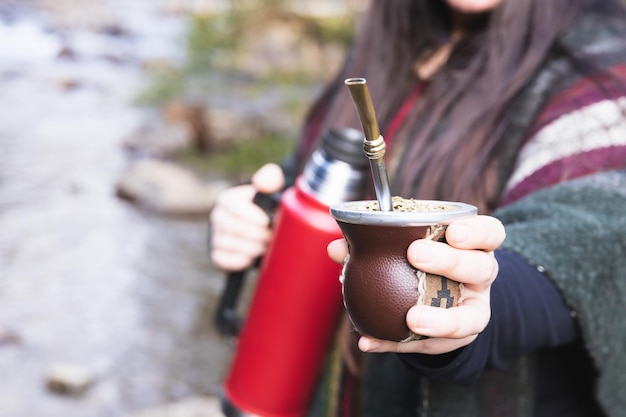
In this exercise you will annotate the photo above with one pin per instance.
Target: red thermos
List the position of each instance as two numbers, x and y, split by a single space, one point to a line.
293 314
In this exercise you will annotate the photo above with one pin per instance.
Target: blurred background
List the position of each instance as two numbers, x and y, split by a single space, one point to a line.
119 121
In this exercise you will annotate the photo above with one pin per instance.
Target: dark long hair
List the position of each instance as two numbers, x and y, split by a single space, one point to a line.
473 92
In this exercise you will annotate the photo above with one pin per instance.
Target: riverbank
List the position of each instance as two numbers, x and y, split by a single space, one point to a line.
89 282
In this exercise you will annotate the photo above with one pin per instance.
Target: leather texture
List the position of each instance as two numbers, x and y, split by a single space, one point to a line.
379 284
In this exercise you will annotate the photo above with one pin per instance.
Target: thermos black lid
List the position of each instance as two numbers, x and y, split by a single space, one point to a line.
345 144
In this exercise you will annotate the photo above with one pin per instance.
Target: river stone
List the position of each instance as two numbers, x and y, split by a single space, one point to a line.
64 378
167 188
159 138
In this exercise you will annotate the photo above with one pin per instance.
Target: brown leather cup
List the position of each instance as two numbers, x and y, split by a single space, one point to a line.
379 284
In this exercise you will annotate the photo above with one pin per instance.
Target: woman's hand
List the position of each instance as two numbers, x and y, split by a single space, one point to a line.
467 258
240 230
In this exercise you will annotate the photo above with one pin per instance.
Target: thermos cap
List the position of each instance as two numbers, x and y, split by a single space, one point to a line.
345 144
338 169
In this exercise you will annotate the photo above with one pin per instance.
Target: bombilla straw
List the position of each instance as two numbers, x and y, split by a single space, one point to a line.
373 143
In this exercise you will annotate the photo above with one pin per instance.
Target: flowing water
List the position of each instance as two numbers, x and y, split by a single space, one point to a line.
85 278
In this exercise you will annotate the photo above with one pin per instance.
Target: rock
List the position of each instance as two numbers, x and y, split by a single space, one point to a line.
192 407
9 336
167 188
69 379
228 127
67 53
69 84
178 125
113 29
158 138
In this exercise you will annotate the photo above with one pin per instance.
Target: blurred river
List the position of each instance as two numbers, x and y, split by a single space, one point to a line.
85 278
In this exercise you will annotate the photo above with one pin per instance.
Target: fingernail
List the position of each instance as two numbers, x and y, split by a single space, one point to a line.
367 345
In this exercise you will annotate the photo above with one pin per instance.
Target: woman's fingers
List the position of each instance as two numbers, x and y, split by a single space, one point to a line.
467 257
235 205
269 179
232 253
431 346
467 266
337 250
255 226
446 329
479 232
239 229
468 319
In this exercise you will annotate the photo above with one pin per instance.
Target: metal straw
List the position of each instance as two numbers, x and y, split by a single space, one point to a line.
373 143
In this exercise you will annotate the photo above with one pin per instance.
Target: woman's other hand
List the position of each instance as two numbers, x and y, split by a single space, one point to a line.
239 229
467 258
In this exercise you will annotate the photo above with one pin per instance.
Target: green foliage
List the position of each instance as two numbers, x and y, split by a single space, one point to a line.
336 29
213 42
208 36
209 39
277 78
166 83
239 161
212 45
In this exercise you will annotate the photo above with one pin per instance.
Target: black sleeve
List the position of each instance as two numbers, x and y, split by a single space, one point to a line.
527 313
